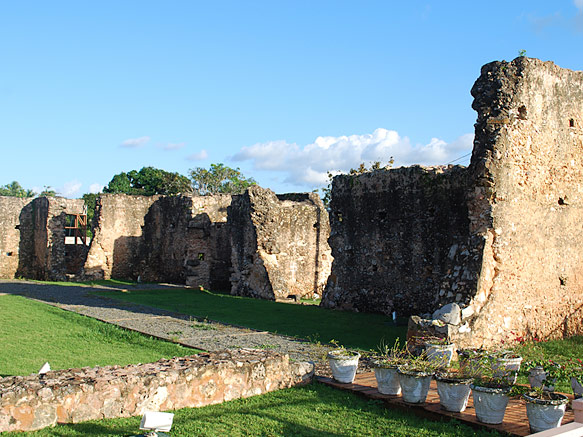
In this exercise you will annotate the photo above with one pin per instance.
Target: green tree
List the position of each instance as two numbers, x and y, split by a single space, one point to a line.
14 189
47 192
90 200
148 181
219 179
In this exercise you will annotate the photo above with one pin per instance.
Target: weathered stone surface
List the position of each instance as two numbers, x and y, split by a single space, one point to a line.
399 239
77 395
15 220
527 204
279 244
32 238
178 239
450 313
501 238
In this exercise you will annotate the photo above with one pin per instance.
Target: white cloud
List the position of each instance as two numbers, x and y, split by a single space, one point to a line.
579 5
70 189
135 142
199 156
308 166
95 188
174 146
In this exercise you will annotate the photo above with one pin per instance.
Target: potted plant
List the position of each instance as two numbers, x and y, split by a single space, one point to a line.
343 363
469 359
453 389
440 350
506 363
385 368
415 377
490 390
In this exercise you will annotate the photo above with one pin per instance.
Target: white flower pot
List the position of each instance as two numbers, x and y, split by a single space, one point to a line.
441 353
414 385
545 414
343 365
453 393
387 380
490 403
508 367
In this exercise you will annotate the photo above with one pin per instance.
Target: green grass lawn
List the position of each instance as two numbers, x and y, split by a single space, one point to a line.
32 333
313 410
356 330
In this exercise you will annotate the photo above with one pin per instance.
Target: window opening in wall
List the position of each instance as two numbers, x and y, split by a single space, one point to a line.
76 229
571 123
201 256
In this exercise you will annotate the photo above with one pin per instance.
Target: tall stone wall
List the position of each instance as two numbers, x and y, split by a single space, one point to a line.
32 237
117 245
15 220
400 241
526 205
279 244
186 240
179 239
77 395
501 239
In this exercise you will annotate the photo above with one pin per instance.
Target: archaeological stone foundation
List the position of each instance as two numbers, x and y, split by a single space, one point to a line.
480 253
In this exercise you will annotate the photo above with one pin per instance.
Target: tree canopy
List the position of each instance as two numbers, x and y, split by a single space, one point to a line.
14 189
147 182
219 179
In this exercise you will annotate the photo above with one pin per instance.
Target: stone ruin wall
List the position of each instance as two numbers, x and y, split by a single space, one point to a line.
527 202
179 239
117 236
279 244
76 395
32 237
400 241
15 219
501 239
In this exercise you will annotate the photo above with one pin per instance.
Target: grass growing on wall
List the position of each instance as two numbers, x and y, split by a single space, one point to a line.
32 333
314 410
357 330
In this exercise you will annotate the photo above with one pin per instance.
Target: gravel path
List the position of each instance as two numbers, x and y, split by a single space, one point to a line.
179 328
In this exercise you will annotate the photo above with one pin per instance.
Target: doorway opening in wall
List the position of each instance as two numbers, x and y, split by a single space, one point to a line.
76 242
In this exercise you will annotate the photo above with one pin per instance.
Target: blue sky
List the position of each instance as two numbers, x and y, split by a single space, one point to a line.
285 90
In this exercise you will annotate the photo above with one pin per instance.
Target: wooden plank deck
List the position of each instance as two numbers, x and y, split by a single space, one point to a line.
515 420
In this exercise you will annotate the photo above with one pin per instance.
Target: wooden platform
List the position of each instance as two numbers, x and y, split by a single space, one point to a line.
515 420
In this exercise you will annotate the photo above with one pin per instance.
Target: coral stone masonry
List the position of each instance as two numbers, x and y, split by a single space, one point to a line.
500 239
76 395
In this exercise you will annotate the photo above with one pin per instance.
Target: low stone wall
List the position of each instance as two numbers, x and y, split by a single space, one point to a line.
76 395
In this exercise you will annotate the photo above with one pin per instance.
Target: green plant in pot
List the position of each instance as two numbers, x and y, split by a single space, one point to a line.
343 363
385 368
439 349
490 390
469 359
545 408
415 377
506 363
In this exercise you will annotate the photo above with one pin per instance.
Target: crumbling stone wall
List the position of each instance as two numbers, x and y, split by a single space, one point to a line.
186 240
15 220
32 237
400 241
117 246
497 248
76 395
279 244
526 205
179 239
